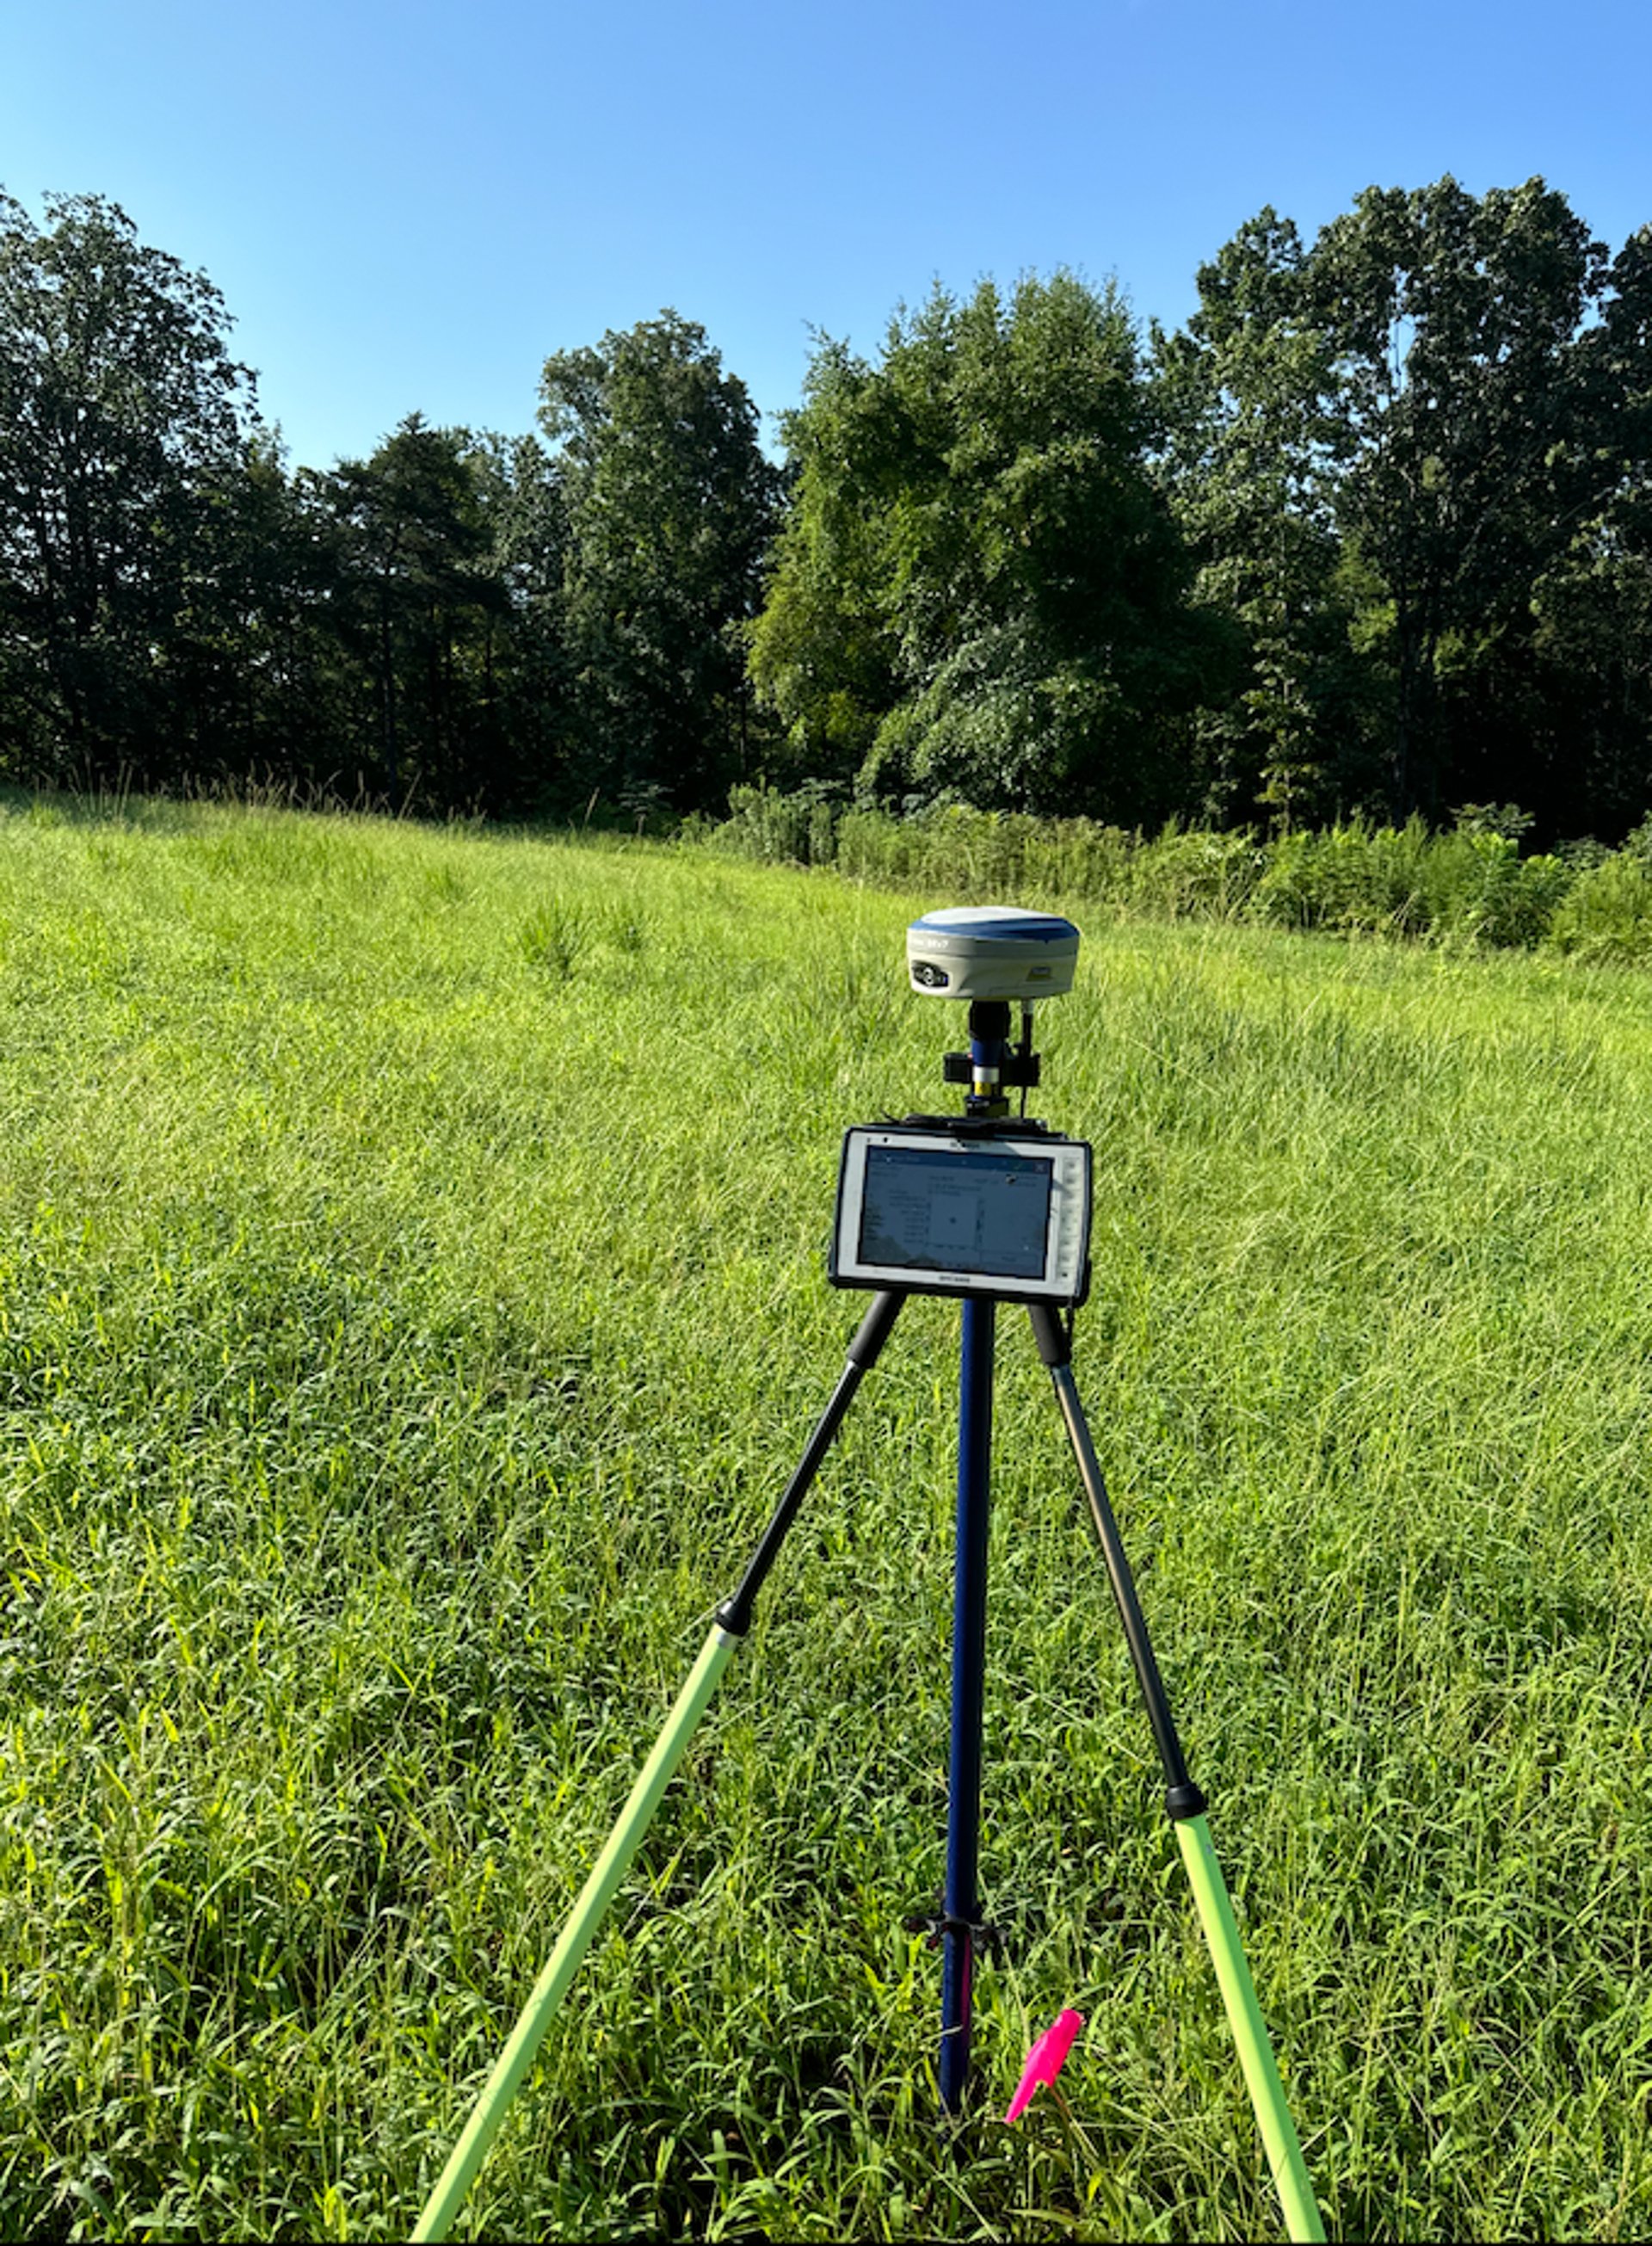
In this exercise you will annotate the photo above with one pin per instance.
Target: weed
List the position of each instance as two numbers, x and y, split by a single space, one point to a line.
552 936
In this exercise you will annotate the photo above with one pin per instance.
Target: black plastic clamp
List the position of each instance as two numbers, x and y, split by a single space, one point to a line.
1015 1067
985 1940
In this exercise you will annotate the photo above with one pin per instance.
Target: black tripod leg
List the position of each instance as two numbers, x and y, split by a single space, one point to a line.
1186 1806
733 1619
735 1613
1182 1797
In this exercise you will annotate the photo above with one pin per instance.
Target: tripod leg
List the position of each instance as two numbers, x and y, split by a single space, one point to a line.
960 1902
733 1619
1291 2178
610 1867
735 1613
1186 1806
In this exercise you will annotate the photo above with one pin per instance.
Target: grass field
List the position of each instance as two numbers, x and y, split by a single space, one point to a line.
411 1305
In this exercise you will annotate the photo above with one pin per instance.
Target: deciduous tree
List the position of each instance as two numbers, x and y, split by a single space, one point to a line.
121 411
1249 453
1472 443
979 592
668 504
417 556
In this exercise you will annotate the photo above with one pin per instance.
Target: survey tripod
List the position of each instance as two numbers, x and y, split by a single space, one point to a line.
991 1066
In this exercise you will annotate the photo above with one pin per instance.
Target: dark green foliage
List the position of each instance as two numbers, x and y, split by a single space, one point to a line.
1249 455
1371 537
124 423
978 595
1405 559
668 506
459 622
1473 443
423 608
1413 460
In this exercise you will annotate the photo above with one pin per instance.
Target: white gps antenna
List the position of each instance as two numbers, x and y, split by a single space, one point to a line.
992 956
991 952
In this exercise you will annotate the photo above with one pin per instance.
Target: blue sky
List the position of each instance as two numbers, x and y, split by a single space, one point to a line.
408 207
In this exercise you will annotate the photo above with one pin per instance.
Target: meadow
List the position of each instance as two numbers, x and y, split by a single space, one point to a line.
411 1304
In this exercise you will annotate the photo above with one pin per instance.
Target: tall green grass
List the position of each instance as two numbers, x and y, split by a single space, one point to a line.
411 1305
1470 885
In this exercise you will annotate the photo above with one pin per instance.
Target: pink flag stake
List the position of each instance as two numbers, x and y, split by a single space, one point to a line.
1045 2060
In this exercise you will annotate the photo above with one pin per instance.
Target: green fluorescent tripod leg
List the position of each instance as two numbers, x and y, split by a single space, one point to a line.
607 1872
1250 2032
1185 1805
733 1620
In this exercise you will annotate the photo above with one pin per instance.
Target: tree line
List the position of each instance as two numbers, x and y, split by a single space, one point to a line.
1370 534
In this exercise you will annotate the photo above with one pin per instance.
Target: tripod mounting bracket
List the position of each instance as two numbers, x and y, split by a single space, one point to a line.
1018 1066
985 1940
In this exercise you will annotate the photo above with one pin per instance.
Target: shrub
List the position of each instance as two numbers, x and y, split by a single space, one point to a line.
872 846
1191 872
1470 885
1607 915
969 853
1077 857
799 829
1348 880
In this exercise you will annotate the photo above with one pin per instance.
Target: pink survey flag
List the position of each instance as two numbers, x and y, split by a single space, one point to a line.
1045 2060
